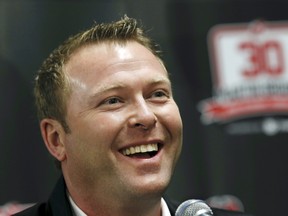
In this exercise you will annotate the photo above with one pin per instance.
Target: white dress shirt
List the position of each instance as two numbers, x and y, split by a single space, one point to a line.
78 212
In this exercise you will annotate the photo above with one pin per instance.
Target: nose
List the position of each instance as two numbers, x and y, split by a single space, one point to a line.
142 116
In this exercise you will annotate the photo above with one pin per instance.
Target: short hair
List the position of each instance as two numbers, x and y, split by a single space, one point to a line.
52 88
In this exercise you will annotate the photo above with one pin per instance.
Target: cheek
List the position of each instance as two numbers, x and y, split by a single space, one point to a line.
107 125
100 124
173 124
88 149
96 133
173 121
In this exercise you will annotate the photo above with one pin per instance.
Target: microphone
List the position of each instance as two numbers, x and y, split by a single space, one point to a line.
193 207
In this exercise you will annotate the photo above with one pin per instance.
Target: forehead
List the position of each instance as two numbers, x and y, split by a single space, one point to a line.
110 57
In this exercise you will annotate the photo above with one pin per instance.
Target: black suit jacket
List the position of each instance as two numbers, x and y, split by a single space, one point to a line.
59 205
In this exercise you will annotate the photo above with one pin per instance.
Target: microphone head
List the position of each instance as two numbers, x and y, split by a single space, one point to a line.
193 207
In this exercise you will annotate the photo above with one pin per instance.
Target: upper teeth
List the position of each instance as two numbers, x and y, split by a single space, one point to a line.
140 149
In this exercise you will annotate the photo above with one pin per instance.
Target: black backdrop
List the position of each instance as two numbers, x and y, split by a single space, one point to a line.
214 162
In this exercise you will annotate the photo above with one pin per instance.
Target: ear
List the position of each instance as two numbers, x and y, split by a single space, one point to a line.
53 135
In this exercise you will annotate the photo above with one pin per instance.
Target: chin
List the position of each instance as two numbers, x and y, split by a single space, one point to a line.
156 187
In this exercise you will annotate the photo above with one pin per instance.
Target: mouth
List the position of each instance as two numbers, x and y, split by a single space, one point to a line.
142 151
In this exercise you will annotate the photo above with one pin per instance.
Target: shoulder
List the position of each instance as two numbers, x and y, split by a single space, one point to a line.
40 209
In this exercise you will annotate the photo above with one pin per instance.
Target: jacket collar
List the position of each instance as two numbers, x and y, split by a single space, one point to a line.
59 204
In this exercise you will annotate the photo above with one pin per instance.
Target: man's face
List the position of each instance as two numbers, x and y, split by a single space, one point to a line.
126 130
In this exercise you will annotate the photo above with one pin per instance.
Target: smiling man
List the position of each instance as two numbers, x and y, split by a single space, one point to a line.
108 117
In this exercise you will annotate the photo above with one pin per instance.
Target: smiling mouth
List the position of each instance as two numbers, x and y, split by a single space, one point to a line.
142 151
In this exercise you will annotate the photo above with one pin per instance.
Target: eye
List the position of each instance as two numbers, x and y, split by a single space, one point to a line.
111 101
159 96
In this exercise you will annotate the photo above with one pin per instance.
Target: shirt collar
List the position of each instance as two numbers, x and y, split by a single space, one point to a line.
78 212
165 209
75 209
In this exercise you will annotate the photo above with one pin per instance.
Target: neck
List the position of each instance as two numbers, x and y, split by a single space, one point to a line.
94 199
119 208
99 203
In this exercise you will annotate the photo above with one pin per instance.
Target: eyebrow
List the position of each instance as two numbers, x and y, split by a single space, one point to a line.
107 88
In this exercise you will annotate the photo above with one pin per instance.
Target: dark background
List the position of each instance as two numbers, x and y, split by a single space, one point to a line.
252 167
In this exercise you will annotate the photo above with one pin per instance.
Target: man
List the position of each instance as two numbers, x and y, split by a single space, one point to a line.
107 115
